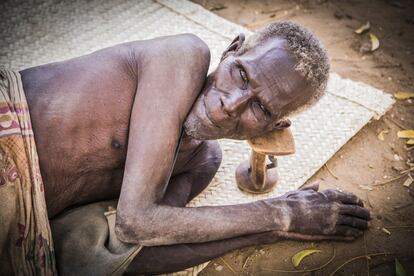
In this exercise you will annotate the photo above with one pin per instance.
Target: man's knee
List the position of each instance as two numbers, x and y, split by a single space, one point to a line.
205 165
208 158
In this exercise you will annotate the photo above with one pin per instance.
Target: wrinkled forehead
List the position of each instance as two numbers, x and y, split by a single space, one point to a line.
269 62
271 67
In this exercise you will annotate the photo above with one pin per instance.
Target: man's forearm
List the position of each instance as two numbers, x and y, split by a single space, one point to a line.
163 225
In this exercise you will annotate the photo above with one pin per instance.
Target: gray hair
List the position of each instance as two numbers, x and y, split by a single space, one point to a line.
311 58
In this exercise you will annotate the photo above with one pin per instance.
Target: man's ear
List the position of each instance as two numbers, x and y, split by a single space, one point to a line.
234 46
281 124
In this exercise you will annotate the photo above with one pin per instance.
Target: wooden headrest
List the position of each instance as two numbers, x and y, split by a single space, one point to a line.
276 142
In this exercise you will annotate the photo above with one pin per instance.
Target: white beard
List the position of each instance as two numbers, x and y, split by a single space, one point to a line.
192 126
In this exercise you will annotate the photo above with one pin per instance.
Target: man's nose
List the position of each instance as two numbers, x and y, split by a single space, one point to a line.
235 102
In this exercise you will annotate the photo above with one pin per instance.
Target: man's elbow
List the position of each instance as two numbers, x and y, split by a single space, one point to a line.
136 231
124 230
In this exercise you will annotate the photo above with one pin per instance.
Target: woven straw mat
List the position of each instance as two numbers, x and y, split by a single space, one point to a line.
34 34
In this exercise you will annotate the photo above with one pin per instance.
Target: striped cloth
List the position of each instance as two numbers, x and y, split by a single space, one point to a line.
26 246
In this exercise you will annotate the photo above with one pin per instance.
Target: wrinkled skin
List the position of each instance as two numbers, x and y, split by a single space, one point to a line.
108 125
248 94
333 212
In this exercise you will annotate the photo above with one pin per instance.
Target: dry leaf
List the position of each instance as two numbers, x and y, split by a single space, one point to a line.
365 187
399 269
407 182
298 257
380 135
410 142
408 134
374 42
363 28
403 95
386 231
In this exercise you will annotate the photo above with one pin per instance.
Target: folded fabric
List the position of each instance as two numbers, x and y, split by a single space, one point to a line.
26 246
86 243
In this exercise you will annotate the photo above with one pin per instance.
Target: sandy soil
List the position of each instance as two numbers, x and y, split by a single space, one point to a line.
365 160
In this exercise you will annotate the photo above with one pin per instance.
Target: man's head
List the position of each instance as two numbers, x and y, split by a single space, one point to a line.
275 73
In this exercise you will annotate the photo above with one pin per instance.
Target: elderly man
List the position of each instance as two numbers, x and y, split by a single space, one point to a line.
138 122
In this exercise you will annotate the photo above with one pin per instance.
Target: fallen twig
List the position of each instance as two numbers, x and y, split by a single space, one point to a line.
249 258
357 258
369 202
245 261
390 180
301 271
401 226
400 125
272 11
402 206
331 172
366 254
228 266
407 170
387 66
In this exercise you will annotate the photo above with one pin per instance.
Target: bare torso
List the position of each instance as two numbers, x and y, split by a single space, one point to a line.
81 125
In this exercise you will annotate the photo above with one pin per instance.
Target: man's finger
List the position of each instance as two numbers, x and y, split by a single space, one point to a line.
349 198
355 211
343 197
311 186
348 231
353 221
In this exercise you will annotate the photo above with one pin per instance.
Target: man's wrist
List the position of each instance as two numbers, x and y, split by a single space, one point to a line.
278 213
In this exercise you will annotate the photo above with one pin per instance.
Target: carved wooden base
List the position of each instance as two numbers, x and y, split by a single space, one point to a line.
246 183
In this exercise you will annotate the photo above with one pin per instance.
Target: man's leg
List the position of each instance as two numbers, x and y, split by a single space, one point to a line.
164 259
182 188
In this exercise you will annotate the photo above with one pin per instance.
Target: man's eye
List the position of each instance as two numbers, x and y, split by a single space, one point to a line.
243 75
263 108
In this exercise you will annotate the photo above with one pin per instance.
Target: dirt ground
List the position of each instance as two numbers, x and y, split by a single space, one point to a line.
364 162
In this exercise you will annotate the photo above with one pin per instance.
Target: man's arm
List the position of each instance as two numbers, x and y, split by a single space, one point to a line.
156 121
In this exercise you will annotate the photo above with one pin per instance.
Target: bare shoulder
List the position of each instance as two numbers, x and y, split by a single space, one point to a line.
183 52
174 67
187 47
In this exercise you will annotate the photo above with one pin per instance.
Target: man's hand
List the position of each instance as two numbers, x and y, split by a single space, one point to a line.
329 214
